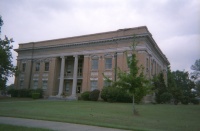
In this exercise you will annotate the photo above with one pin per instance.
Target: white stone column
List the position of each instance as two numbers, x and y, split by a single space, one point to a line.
62 70
75 77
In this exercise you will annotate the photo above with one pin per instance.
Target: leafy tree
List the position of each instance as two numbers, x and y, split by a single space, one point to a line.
159 87
196 68
6 67
195 75
134 82
184 86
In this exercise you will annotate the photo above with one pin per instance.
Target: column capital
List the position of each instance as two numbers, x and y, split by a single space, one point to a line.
63 57
75 55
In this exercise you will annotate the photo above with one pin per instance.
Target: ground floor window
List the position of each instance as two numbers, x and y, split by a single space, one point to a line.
67 87
107 83
93 85
21 84
35 84
44 84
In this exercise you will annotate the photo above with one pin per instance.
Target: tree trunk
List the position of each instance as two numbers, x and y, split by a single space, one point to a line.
133 106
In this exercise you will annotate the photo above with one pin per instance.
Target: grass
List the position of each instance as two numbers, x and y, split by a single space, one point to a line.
114 115
5 127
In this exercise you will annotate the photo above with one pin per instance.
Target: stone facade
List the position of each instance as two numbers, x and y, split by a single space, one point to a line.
75 64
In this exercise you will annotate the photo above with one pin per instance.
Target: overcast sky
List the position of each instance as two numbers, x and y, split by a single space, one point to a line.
174 24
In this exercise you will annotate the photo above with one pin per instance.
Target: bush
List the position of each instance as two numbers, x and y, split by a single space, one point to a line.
94 95
85 96
185 100
13 92
25 92
114 94
35 95
166 97
195 101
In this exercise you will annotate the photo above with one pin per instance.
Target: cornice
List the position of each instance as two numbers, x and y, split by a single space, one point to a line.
83 43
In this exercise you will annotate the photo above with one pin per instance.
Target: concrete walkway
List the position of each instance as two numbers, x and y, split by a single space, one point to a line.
57 126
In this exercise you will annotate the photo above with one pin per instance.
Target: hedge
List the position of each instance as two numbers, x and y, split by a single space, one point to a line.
25 93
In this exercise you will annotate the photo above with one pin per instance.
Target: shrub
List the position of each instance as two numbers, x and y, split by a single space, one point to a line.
166 97
195 101
35 95
185 100
13 92
114 94
94 95
25 92
85 96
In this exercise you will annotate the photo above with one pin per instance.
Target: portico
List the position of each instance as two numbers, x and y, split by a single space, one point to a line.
69 71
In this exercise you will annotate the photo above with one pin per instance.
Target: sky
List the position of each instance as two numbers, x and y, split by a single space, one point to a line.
174 24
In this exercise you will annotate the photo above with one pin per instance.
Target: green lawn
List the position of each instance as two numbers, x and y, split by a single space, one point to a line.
5 127
115 115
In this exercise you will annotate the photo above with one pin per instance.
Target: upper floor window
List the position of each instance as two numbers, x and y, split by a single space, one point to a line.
95 63
37 66
23 67
108 63
46 66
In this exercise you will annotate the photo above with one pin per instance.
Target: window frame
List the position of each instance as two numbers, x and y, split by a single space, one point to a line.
46 66
43 86
94 65
108 66
37 66
93 85
23 67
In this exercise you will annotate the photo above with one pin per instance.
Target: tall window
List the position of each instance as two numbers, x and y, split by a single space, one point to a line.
35 84
107 83
23 67
37 66
147 65
108 63
95 64
151 67
21 84
46 66
93 85
44 84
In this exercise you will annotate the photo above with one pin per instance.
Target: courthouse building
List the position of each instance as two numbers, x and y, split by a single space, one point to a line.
76 64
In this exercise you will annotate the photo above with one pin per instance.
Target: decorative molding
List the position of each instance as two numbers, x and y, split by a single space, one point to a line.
94 79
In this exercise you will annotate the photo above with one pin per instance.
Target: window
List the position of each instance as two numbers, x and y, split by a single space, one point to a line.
37 67
46 66
23 67
107 83
129 60
21 84
151 67
147 65
108 63
44 84
93 85
95 64
67 87
35 84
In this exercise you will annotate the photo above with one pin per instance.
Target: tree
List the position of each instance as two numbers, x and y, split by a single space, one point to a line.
134 82
6 66
184 86
196 68
195 75
159 87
